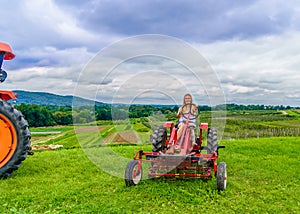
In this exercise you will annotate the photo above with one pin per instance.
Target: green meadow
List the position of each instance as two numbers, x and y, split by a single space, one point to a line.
262 157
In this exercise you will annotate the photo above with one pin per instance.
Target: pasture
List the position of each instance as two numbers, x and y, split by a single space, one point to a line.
263 174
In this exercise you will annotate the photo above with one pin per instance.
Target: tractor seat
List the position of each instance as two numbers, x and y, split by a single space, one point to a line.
192 125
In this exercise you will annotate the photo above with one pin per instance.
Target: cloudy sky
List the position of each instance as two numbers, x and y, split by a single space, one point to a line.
252 48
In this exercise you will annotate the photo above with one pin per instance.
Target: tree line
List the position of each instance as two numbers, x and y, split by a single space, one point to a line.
46 115
50 115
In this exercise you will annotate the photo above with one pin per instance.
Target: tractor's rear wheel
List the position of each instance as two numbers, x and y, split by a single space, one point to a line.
158 139
133 175
212 141
221 176
14 139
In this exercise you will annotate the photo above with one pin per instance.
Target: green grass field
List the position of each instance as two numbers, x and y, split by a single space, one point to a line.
263 177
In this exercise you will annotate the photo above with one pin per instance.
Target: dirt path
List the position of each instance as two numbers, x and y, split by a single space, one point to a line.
43 139
91 129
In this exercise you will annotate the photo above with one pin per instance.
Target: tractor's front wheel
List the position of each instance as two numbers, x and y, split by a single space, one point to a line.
14 139
133 173
221 176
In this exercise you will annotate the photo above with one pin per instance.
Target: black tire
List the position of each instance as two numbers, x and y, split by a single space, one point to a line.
132 175
158 139
18 128
221 176
212 141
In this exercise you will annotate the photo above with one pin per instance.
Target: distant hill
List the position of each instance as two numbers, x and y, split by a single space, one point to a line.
43 98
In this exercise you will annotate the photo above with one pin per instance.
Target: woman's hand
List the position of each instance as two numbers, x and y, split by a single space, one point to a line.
179 112
195 108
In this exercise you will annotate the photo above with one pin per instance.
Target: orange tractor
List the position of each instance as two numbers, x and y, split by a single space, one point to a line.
14 132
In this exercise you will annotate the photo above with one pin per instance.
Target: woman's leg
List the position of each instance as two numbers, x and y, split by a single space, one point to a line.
180 130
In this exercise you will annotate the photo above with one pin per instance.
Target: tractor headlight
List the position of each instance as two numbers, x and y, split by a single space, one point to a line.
3 75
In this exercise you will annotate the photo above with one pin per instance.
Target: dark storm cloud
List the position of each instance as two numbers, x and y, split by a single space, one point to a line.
199 21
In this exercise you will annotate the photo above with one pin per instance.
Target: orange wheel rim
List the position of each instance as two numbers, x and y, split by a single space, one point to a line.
8 140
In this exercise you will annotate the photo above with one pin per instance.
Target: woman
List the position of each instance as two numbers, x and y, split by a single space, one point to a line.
187 108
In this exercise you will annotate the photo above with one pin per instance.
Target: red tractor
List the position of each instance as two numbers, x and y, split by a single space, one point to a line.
14 132
184 157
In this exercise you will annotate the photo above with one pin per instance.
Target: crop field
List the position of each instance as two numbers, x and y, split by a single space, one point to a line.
260 124
263 172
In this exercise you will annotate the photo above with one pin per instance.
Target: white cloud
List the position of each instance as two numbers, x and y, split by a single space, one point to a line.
267 64
49 24
253 46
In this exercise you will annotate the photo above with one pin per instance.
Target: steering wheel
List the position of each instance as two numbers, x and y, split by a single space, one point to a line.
193 115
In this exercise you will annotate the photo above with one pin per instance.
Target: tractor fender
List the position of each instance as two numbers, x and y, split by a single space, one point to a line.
8 54
168 124
204 126
7 95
